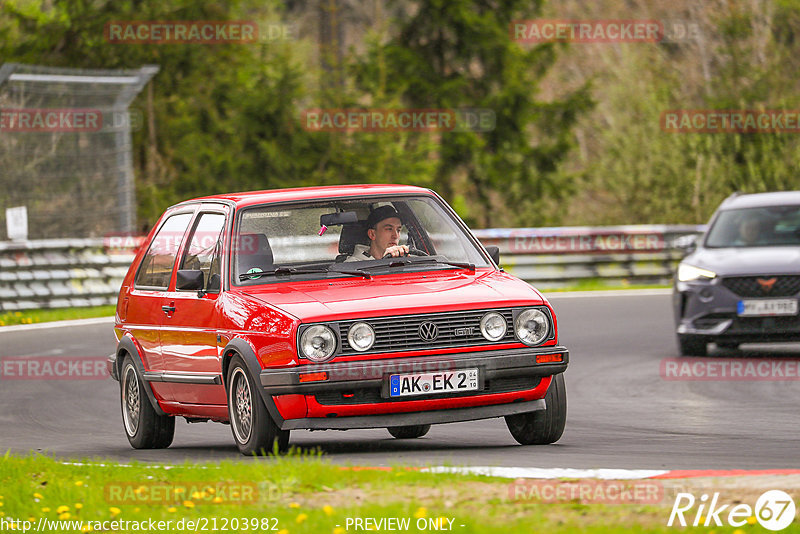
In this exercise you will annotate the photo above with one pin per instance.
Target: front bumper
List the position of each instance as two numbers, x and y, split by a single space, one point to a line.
374 373
510 382
708 309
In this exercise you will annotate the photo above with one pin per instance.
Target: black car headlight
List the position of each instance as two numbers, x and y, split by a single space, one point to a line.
318 343
532 326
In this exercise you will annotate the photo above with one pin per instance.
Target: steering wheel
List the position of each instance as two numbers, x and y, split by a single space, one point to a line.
411 252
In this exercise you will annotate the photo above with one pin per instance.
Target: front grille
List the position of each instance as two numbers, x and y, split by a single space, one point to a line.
456 329
769 286
373 395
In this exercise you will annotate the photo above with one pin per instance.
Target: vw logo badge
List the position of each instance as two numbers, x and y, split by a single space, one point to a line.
428 331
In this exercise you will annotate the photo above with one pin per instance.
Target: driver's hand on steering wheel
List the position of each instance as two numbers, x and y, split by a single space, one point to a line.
396 251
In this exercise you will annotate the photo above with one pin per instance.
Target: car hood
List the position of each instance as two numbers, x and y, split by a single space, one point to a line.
744 261
396 294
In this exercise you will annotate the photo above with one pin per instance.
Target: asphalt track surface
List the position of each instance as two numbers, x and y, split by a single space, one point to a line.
621 413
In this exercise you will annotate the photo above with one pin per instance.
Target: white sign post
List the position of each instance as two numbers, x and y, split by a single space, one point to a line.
17 223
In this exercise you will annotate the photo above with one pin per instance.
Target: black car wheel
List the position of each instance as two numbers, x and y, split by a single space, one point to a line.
543 426
692 345
144 427
408 432
253 429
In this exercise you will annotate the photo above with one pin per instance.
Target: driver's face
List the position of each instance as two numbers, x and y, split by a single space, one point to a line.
749 229
386 234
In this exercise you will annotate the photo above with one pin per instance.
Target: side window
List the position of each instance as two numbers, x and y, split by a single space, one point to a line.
204 252
156 268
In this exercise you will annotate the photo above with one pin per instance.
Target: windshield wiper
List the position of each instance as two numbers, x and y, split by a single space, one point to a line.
400 262
277 271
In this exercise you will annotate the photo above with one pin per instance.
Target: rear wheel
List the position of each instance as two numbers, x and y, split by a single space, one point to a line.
543 426
408 432
144 427
692 345
253 429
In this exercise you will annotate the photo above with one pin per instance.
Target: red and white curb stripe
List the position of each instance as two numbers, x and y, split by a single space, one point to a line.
605 474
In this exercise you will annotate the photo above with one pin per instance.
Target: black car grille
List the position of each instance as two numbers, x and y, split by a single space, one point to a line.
763 286
373 395
455 329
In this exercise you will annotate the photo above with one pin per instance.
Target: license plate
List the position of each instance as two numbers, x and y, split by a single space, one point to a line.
767 307
430 383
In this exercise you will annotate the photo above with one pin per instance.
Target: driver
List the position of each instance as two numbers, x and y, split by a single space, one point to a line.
383 229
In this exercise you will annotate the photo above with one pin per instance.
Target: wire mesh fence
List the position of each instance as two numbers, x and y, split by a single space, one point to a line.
65 148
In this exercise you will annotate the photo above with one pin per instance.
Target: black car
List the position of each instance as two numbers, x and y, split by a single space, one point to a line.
740 282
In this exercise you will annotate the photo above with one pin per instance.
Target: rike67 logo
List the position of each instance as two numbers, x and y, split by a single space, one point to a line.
774 510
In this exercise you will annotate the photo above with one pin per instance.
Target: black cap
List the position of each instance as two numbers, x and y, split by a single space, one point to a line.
379 214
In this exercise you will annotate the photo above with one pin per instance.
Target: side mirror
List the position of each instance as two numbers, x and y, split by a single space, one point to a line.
494 252
189 279
686 243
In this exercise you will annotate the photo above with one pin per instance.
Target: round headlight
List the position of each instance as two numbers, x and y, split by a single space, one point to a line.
532 326
361 337
318 343
493 326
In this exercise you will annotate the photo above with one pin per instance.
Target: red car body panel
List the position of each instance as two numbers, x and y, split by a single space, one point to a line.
193 341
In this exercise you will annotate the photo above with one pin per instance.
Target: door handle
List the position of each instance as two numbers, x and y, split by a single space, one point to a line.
168 309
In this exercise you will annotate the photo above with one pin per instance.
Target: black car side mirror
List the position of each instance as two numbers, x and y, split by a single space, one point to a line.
494 253
189 279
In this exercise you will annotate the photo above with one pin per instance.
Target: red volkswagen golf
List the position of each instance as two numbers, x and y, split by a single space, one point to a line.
330 308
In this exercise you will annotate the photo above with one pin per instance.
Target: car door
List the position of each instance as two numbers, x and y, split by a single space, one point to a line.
143 316
189 332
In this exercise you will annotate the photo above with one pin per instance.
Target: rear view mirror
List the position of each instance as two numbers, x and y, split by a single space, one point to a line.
189 279
338 218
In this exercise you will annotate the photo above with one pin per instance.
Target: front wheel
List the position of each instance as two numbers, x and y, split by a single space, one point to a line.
144 427
408 432
253 429
542 426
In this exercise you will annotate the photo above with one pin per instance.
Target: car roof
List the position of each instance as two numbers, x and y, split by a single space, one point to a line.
761 200
250 198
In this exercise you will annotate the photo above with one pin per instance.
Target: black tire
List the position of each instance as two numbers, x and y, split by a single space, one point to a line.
692 345
253 429
408 432
144 427
543 426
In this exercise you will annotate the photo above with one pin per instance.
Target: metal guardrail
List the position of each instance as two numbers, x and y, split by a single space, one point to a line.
62 273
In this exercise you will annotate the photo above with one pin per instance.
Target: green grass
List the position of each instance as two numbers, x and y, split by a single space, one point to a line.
55 314
598 284
303 493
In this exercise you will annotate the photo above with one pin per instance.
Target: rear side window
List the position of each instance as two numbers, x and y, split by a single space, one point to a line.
156 268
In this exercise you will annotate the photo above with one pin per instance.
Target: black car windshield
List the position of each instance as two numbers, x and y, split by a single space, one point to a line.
327 238
756 227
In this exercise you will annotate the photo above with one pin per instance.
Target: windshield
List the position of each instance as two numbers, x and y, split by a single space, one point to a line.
756 227
317 239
